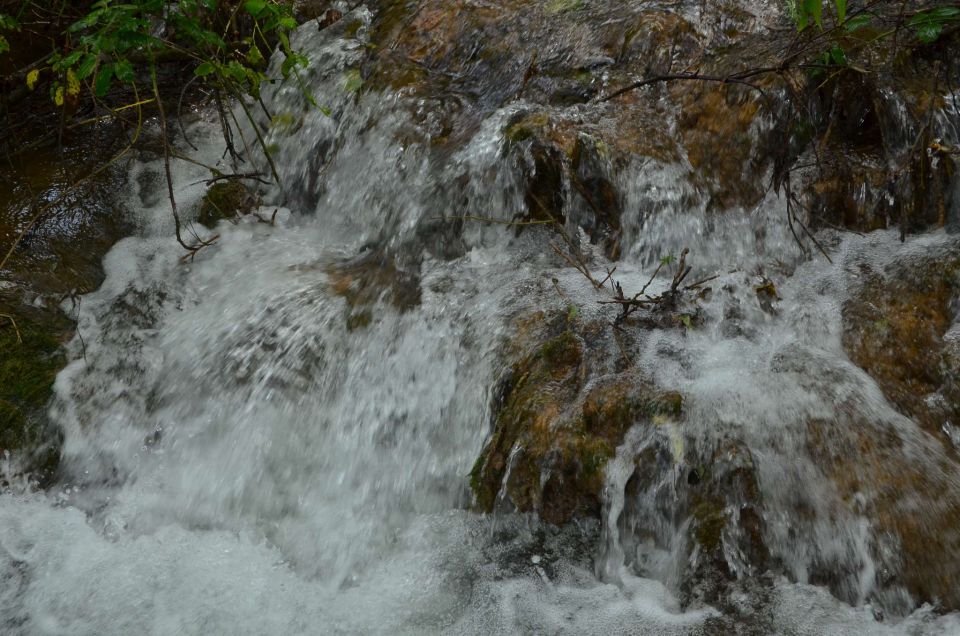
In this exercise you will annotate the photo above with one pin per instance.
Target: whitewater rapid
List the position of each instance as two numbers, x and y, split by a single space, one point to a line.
238 460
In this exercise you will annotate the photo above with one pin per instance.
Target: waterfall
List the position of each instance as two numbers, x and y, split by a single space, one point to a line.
277 435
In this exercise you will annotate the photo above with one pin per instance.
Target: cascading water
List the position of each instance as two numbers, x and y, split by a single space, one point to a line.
252 446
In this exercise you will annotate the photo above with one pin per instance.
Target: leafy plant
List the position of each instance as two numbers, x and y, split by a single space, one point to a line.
7 23
929 24
118 40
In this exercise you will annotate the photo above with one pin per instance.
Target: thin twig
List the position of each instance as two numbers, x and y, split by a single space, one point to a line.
14 324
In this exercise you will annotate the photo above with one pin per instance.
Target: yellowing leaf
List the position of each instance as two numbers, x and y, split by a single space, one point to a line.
73 84
32 78
58 96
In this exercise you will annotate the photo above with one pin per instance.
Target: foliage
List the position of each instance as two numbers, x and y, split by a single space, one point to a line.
116 37
927 24
7 23
843 30
102 45
115 42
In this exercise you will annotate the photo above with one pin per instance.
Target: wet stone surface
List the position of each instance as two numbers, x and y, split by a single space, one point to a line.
57 260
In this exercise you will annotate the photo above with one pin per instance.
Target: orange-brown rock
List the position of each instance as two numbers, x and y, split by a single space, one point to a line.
557 424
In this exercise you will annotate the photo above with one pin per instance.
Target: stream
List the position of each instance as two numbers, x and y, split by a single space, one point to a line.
277 435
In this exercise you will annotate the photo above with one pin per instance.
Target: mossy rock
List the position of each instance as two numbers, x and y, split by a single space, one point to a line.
725 518
372 278
29 363
554 431
912 503
722 117
894 330
225 200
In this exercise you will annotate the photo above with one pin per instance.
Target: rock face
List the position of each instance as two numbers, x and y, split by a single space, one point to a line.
567 403
861 139
877 160
900 329
553 63
555 432
580 431
225 200
372 278
58 260
30 357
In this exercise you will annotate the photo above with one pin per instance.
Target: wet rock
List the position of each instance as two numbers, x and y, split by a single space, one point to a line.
225 200
371 278
723 117
58 259
874 167
853 193
557 424
329 18
909 492
30 358
726 527
305 10
896 330
544 192
590 176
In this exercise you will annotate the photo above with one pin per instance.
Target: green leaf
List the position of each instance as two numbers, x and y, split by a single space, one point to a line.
287 23
929 24
667 260
102 83
354 82
9 23
87 65
70 60
4 45
254 56
235 71
841 10
837 56
945 14
123 70
857 22
929 32
204 69
255 7
815 9
87 21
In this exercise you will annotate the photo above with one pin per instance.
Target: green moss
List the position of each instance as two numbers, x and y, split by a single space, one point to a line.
561 353
563 6
353 81
595 454
526 127
669 403
709 519
481 490
352 28
28 368
225 200
284 123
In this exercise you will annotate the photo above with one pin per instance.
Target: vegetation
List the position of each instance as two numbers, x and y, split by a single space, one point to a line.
108 60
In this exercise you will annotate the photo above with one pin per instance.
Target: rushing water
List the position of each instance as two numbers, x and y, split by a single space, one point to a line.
237 460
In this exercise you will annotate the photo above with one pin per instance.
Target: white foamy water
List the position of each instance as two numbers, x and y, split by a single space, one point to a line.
238 460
